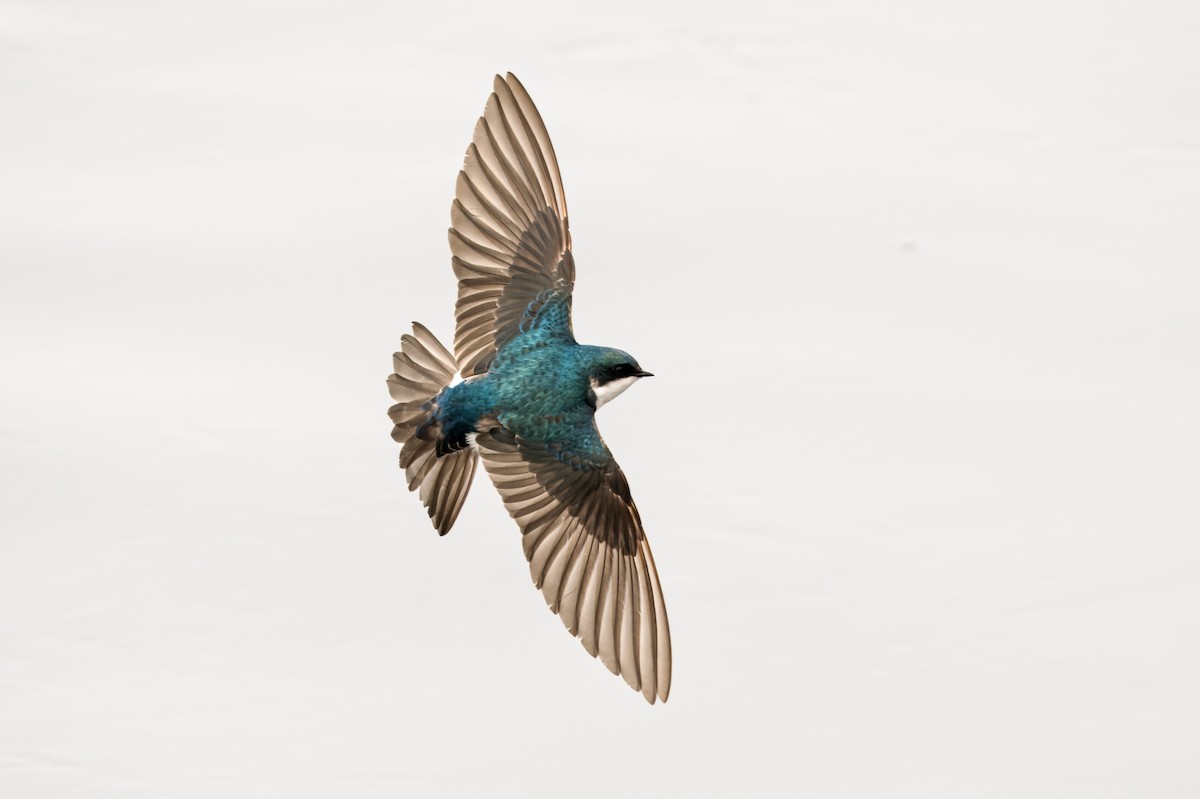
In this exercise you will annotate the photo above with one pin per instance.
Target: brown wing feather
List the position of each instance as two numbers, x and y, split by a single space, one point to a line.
509 234
587 552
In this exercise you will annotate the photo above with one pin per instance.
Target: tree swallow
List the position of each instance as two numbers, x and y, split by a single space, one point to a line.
528 399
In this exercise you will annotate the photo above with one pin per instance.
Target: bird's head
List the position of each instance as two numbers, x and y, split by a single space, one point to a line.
612 372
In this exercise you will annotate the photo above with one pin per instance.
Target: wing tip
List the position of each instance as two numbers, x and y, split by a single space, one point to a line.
652 698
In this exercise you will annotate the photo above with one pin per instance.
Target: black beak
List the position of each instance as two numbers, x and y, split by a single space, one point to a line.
644 373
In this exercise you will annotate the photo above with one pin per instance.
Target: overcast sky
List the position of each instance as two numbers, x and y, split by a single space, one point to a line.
920 285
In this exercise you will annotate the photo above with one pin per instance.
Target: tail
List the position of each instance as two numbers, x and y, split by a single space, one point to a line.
423 368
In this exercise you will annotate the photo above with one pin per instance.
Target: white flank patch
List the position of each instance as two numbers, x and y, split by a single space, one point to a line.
611 389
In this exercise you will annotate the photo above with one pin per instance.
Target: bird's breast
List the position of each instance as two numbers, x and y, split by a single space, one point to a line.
605 392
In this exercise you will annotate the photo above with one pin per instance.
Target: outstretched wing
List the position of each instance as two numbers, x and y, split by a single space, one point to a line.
586 548
509 231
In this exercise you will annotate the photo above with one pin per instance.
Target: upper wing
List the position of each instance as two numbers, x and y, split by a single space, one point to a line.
509 231
586 548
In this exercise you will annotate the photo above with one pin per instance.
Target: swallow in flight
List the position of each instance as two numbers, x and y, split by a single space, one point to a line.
527 400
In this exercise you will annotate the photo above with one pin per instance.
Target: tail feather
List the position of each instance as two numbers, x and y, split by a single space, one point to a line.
423 368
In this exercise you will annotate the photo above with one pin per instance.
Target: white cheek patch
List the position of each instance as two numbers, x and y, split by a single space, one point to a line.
611 389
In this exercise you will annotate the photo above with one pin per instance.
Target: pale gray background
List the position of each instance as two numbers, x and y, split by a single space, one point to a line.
920 468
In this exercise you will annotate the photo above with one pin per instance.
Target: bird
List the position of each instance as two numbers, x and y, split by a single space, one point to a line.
520 394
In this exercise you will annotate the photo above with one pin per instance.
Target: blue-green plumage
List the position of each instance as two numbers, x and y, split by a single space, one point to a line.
539 385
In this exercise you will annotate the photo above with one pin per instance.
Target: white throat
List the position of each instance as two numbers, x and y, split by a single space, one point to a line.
610 390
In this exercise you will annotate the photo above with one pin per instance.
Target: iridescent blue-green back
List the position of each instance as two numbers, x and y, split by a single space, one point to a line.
537 385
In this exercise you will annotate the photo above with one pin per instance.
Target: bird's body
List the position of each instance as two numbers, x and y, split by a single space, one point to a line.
539 387
527 402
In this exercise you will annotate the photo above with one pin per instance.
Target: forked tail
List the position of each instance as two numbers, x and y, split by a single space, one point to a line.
423 368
